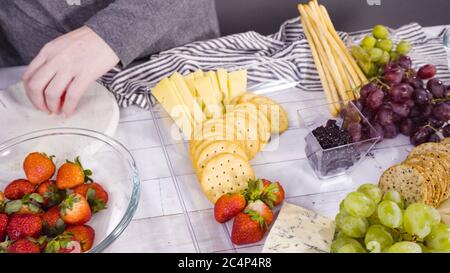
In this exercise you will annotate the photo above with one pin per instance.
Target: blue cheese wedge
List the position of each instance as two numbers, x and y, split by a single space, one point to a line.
298 230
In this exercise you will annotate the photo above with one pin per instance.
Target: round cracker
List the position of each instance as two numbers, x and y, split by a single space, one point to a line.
263 126
249 137
214 148
277 116
225 173
407 180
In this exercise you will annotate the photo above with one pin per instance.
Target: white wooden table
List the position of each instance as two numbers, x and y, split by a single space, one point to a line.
164 222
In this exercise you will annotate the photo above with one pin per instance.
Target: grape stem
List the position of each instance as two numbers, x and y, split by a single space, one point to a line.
441 100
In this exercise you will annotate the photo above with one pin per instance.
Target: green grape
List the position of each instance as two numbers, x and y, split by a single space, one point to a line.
380 32
384 59
360 54
338 219
375 54
349 248
343 240
439 238
405 247
373 219
417 220
385 44
342 208
403 48
369 68
394 56
394 196
358 204
390 214
372 191
434 215
424 248
380 235
368 42
354 227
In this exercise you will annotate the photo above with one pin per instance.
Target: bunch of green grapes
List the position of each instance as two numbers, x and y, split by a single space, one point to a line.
369 221
377 50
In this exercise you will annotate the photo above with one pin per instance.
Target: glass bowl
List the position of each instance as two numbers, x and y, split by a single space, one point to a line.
111 163
328 163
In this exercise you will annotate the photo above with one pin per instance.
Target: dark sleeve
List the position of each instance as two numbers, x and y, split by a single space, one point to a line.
135 27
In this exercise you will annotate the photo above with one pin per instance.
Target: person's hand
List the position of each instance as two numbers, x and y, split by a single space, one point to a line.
64 68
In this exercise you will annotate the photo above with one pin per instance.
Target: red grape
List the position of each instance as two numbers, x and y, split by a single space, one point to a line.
390 131
393 76
427 72
437 88
377 131
375 99
427 110
354 130
422 96
405 62
442 112
435 123
400 109
406 127
415 82
446 131
385 116
367 89
410 103
401 92
434 138
415 112
421 136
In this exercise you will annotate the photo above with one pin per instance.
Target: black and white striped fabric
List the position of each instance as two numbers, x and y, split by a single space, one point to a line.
284 56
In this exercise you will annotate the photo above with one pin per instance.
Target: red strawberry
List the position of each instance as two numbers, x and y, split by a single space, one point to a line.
83 234
71 175
24 246
228 206
29 204
24 225
51 194
248 227
95 194
3 226
52 222
262 209
18 189
272 193
64 243
38 167
75 210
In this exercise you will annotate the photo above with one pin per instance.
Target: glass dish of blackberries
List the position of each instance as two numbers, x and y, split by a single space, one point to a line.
336 145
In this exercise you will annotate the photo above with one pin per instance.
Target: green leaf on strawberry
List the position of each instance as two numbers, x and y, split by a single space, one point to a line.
255 216
13 206
96 204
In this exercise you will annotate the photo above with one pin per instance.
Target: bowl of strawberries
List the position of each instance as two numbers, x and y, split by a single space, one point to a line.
65 191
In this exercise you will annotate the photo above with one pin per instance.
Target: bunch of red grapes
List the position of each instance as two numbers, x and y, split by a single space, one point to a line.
405 101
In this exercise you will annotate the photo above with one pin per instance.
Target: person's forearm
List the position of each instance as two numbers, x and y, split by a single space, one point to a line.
132 27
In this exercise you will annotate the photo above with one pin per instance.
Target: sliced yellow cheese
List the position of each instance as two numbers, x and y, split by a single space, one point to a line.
237 83
213 107
215 85
187 98
198 74
165 93
190 79
222 78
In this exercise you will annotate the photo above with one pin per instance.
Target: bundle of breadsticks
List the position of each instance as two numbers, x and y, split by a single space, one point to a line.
339 73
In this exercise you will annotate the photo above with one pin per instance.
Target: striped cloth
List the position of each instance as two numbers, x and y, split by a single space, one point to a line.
282 57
